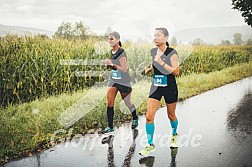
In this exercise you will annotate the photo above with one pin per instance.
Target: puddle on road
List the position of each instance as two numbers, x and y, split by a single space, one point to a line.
239 120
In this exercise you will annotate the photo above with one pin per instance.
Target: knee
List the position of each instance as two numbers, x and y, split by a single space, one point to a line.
128 104
149 118
110 103
172 117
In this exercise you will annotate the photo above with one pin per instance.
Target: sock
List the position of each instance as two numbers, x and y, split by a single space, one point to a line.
133 111
174 125
110 115
150 132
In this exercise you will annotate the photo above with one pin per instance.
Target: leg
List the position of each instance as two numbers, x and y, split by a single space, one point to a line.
171 98
126 98
151 111
150 114
111 94
172 116
153 102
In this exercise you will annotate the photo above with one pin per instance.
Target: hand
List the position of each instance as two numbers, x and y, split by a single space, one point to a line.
108 62
158 59
146 70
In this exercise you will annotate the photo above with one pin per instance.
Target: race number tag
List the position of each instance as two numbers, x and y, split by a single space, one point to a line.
160 80
115 74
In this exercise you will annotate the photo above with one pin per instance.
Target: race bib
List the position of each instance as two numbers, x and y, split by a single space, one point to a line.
115 74
160 80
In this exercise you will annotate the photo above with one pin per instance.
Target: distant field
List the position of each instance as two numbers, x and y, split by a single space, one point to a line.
30 67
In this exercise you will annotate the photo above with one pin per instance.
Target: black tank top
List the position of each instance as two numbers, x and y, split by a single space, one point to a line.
115 57
158 69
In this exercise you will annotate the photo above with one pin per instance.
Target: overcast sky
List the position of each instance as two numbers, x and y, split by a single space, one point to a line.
129 17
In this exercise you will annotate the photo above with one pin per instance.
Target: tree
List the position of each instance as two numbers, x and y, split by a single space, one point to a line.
64 31
109 30
197 41
80 30
173 41
237 38
249 42
245 7
225 42
67 31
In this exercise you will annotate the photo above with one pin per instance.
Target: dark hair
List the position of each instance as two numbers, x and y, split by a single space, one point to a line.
117 36
165 32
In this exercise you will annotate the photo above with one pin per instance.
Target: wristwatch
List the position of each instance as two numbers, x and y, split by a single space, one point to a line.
113 67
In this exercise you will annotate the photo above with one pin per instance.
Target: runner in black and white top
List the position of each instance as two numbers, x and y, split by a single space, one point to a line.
119 81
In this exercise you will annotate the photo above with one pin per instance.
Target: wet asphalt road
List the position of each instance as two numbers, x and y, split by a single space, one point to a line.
215 129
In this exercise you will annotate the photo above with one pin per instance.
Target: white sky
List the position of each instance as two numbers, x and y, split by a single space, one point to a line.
129 17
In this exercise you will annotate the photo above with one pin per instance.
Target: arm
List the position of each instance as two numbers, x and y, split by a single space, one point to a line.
147 70
123 63
122 68
174 68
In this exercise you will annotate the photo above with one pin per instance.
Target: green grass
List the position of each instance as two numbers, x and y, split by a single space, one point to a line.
29 126
195 84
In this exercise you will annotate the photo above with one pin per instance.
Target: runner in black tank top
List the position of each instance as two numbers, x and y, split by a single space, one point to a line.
119 81
166 67
168 88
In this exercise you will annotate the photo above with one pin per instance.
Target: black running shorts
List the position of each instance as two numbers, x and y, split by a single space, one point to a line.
169 92
123 88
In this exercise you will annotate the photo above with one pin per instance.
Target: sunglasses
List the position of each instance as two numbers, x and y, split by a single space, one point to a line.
111 39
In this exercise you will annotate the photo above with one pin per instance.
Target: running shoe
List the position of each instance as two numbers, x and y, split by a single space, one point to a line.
108 131
147 150
134 123
174 141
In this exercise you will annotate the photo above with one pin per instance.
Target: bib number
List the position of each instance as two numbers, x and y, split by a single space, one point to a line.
160 80
115 74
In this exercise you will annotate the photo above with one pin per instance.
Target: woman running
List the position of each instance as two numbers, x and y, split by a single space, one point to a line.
166 67
119 81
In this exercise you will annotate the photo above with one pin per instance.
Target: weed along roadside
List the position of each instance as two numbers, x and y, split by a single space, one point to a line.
39 118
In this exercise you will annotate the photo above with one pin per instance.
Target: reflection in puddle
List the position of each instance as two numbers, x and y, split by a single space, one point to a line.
127 161
174 152
239 119
109 140
147 161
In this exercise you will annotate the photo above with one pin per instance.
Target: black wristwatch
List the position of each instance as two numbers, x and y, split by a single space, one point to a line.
113 67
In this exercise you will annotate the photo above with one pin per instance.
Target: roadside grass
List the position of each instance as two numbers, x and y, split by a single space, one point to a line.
28 127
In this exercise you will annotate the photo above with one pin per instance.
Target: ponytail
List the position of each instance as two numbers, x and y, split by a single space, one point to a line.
120 44
167 44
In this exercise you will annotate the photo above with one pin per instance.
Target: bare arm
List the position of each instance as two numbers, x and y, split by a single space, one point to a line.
123 63
147 70
174 68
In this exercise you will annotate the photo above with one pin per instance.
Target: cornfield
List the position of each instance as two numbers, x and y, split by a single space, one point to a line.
30 67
